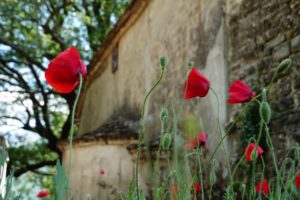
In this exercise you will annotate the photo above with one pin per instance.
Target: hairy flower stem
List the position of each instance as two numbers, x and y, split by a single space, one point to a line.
236 119
141 132
270 144
237 165
157 163
199 154
72 126
254 161
174 132
228 131
221 135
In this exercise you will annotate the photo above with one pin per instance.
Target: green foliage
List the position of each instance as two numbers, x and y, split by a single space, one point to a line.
61 183
9 195
130 191
250 124
58 120
31 153
3 156
191 126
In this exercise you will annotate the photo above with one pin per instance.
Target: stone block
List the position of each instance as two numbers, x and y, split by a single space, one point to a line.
286 102
281 51
295 44
295 5
270 33
296 82
292 129
284 88
274 42
260 39
296 99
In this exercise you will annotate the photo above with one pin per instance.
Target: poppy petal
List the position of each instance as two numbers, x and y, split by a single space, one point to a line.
240 93
62 71
196 85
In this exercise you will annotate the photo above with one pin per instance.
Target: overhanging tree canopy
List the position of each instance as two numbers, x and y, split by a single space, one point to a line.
31 34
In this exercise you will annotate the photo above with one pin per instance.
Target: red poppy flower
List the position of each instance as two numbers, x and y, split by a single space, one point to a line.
42 194
249 149
240 93
196 85
62 72
201 140
196 187
263 187
102 172
297 181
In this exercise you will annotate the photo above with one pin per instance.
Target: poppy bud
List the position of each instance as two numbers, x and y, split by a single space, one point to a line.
191 64
284 65
263 187
253 155
164 62
196 187
164 115
265 112
252 151
166 140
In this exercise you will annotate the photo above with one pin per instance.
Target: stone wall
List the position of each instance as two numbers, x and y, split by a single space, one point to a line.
261 34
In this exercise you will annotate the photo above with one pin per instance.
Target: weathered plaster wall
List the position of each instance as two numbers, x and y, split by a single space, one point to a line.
180 30
261 34
245 44
89 159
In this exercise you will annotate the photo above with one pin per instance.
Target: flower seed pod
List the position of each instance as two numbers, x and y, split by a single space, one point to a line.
254 154
265 112
212 174
191 64
212 177
284 65
166 141
164 62
164 115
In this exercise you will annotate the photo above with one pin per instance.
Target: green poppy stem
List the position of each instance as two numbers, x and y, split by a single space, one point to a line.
221 135
72 126
141 132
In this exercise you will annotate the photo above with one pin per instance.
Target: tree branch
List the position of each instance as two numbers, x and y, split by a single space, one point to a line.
42 173
34 167
9 82
22 53
12 117
44 107
54 36
45 132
